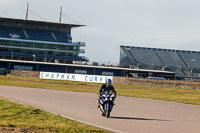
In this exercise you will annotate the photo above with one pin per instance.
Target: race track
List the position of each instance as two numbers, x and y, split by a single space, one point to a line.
131 115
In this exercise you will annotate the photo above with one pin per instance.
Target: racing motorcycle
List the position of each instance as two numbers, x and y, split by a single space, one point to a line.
106 104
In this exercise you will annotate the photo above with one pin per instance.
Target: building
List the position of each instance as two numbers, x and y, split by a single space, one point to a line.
39 41
184 63
80 69
47 46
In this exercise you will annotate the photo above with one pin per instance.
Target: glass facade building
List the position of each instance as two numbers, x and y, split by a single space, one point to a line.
39 48
39 41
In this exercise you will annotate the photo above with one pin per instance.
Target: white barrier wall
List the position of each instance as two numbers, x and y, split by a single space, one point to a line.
74 77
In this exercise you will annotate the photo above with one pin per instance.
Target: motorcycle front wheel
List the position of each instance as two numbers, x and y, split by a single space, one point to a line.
108 110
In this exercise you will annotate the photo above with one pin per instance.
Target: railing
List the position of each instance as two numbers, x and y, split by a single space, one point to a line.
82 51
82 44
34 56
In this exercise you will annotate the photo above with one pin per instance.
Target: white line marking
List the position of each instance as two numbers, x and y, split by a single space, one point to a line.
15 101
105 128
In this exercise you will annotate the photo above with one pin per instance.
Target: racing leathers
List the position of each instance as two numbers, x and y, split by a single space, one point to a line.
106 87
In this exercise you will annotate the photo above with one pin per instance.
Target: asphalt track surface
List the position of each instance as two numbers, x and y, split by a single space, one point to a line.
130 115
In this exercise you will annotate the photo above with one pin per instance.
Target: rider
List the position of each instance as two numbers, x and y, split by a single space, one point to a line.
104 87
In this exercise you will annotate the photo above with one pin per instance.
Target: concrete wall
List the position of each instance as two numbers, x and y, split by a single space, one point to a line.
129 81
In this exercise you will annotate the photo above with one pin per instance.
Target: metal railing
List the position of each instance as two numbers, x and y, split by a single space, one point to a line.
82 51
82 44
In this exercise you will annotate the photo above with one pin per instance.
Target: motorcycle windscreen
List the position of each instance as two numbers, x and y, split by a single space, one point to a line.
107 92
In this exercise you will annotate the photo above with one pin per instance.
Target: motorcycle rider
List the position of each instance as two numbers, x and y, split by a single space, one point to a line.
107 86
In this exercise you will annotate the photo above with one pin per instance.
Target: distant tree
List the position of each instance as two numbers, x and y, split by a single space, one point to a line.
103 64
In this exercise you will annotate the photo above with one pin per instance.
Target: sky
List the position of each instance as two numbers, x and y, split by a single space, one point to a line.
171 24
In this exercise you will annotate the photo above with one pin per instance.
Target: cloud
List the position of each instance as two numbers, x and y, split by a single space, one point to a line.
153 23
8 3
7 7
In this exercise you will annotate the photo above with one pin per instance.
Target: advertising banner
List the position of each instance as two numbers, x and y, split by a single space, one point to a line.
74 77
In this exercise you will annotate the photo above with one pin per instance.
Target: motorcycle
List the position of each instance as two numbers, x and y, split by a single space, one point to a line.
106 104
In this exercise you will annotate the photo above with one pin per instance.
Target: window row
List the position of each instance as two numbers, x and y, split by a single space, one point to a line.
39 45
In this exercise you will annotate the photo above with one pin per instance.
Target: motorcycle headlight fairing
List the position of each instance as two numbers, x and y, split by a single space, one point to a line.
112 95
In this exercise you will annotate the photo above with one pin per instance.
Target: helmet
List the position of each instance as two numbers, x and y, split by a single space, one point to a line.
108 81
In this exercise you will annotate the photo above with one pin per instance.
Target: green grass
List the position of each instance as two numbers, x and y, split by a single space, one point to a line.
25 118
13 115
168 94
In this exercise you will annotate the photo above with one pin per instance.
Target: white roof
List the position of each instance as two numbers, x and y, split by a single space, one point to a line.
88 66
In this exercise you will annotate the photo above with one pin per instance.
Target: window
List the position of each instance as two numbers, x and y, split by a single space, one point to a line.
62 47
39 45
26 68
27 44
50 46
81 71
108 73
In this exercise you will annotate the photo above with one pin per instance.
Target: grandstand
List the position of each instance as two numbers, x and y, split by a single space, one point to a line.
46 46
184 63
40 41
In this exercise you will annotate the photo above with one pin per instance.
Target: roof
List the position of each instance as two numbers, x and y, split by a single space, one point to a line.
33 22
160 49
88 66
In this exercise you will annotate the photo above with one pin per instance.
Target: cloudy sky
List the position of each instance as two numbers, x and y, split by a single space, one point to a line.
173 24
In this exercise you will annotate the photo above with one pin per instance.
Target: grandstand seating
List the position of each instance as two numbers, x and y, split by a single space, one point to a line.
40 35
6 31
34 34
60 37
147 57
29 40
130 58
184 63
170 58
139 56
191 59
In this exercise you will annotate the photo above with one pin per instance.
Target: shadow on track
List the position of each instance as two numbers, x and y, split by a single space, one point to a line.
132 118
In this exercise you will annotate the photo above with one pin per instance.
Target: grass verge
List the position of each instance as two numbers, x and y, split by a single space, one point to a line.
15 117
168 94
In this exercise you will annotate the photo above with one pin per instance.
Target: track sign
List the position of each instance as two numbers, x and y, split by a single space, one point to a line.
74 77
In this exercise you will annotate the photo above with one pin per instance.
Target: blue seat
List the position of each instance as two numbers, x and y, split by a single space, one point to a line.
40 35
61 36
8 31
